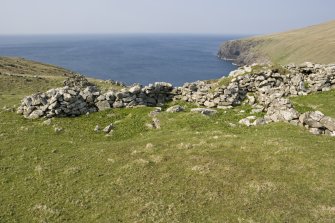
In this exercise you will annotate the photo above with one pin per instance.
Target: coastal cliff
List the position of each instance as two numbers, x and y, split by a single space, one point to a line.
242 52
315 44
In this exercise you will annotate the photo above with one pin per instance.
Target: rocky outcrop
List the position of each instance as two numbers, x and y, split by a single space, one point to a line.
242 52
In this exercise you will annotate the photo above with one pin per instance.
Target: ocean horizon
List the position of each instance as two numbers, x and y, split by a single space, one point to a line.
130 58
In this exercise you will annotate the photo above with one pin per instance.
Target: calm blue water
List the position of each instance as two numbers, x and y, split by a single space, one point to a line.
129 58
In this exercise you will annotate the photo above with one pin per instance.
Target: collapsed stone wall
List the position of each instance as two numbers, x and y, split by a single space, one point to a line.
73 100
266 88
299 80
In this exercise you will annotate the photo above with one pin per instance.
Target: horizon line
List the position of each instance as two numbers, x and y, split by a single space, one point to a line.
125 33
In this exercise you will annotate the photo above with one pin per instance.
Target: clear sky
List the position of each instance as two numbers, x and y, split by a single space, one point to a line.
161 16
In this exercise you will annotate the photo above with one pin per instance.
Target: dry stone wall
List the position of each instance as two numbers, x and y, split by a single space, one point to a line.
265 87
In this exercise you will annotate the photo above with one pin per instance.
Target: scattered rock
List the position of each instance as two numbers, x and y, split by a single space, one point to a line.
155 112
176 108
156 123
247 121
108 128
58 129
97 128
266 89
47 122
204 111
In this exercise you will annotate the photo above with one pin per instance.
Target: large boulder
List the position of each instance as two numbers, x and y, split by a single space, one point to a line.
328 122
103 105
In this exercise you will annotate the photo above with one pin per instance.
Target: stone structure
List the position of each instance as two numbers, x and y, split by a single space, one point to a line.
266 88
73 101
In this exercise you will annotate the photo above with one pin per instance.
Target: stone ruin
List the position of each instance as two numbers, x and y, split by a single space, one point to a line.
266 88
79 97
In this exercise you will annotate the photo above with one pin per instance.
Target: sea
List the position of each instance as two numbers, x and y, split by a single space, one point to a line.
136 58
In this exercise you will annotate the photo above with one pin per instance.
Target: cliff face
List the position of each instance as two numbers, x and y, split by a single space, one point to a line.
242 52
315 44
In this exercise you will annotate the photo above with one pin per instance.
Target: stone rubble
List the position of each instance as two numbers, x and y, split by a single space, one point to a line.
266 88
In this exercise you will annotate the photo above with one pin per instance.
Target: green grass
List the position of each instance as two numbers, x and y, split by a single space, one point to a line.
194 169
315 44
324 102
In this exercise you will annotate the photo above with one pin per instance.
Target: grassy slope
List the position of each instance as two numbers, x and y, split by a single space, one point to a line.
194 169
315 44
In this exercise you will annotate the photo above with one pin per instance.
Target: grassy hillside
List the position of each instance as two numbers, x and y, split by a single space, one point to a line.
194 169
315 44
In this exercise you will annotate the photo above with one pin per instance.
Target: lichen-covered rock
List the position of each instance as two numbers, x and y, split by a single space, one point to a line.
103 105
108 128
204 111
174 109
328 123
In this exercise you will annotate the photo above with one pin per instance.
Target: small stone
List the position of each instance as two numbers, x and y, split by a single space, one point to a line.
97 128
47 122
149 125
156 123
204 111
155 112
259 121
176 108
135 89
315 131
247 121
225 107
58 129
36 114
118 104
209 104
108 128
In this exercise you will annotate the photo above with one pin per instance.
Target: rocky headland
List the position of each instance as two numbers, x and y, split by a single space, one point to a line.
288 47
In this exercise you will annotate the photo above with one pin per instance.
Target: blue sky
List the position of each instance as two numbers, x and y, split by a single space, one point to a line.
161 16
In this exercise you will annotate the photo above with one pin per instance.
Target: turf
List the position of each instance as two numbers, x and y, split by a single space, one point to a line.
315 44
194 169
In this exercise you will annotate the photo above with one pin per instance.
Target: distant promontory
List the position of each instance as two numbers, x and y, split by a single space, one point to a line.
314 43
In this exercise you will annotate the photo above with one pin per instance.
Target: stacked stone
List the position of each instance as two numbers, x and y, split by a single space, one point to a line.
60 102
202 94
299 80
73 101
316 77
77 80
317 123
266 90
152 95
